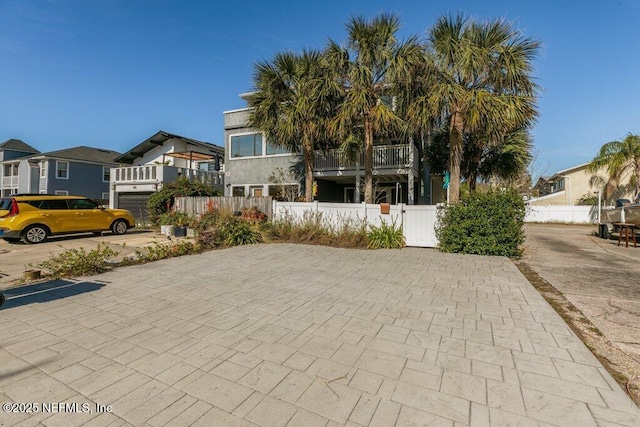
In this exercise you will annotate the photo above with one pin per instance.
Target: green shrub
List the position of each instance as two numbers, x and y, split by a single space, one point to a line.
162 251
236 231
162 200
178 219
218 228
208 220
386 236
488 223
78 262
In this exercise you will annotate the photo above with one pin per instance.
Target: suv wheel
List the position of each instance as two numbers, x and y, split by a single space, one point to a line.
35 234
119 227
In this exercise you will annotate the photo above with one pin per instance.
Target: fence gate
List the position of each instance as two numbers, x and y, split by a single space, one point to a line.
418 225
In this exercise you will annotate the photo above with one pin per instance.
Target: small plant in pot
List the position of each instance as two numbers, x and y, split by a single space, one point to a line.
171 220
181 222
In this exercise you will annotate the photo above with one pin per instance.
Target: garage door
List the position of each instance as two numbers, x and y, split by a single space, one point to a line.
137 204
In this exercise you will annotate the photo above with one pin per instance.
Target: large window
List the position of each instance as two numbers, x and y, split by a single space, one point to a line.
274 149
62 170
106 173
246 145
43 169
253 145
237 190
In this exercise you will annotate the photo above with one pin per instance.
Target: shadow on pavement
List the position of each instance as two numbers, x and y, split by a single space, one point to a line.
65 237
47 291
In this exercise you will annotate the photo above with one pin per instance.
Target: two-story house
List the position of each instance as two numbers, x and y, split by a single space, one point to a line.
160 159
11 151
71 171
570 186
252 162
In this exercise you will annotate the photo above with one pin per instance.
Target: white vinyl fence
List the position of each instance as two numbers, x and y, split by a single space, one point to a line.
417 222
562 213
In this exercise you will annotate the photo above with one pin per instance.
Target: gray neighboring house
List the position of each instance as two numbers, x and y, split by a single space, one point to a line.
251 160
158 160
82 171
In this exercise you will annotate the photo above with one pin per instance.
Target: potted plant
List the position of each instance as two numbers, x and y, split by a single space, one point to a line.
167 223
181 221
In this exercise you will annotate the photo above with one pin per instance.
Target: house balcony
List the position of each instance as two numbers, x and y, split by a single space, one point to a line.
388 160
151 177
10 181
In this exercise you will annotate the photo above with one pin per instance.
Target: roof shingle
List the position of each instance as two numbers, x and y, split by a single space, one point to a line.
17 145
85 154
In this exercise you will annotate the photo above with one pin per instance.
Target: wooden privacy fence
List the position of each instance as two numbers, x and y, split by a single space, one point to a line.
196 206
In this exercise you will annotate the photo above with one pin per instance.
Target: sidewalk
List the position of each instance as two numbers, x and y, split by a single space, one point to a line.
281 334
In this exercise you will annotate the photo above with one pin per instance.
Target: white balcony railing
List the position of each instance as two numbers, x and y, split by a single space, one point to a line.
384 156
10 181
159 174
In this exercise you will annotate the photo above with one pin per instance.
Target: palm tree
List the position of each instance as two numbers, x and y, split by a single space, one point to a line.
369 67
620 158
292 100
504 161
483 83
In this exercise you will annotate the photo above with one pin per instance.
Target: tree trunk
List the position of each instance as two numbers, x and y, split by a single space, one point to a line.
472 179
368 161
455 159
308 171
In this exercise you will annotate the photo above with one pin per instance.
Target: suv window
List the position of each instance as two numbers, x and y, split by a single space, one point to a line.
82 204
5 204
50 204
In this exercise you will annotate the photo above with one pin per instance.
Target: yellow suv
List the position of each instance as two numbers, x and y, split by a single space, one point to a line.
33 218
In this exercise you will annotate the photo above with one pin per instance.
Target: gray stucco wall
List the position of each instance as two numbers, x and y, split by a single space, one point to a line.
253 170
236 119
85 179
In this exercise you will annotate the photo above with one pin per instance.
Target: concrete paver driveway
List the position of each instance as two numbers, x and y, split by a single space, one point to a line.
277 335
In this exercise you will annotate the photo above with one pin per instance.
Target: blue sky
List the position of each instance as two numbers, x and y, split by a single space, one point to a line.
110 73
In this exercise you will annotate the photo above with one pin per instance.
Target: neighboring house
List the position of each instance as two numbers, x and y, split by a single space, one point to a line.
11 151
82 171
160 159
568 186
251 161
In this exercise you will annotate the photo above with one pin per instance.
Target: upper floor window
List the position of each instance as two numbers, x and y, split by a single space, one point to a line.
254 145
246 145
43 169
10 170
106 173
560 185
274 149
62 169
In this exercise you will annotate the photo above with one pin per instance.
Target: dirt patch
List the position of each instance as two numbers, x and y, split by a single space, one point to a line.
621 365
